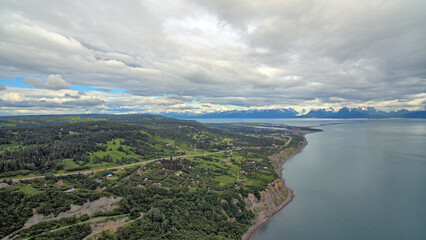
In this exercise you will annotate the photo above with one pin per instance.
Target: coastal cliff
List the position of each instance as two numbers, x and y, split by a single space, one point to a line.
276 195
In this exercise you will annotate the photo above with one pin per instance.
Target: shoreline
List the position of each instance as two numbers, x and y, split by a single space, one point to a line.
252 230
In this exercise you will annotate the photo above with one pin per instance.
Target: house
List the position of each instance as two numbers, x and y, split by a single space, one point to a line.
141 186
109 175
244 180
60 183
2 185
97 180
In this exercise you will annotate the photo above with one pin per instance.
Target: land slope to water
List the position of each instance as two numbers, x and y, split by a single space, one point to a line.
276 196
166 178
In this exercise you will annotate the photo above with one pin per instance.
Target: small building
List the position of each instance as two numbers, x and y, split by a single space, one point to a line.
2 185
60 183
141 186
244 180
109 175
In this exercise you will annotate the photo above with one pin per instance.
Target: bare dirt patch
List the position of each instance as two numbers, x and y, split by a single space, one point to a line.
103 204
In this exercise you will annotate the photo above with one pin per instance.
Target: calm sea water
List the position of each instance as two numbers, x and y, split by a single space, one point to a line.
363 179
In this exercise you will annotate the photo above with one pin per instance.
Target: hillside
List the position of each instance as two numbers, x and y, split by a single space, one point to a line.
138 176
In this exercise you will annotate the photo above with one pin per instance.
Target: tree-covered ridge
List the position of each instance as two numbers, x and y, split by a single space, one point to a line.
44 148
92 143
194 189
83 144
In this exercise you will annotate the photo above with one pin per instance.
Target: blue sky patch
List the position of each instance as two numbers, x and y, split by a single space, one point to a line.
89 89
16 82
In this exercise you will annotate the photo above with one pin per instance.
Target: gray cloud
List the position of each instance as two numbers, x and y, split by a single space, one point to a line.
245 53
54 82
71 96
43 104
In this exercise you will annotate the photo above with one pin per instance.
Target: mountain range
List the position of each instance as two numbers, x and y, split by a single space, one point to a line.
359 112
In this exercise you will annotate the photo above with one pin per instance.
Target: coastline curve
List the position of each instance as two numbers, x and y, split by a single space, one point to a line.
280 158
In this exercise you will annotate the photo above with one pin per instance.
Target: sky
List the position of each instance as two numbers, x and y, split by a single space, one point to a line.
187 56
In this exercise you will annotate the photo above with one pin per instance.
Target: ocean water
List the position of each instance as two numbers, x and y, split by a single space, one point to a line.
362 179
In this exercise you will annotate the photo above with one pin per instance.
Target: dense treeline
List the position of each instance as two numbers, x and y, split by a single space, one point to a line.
42 148
16 207
197 197
183 214
43 227
75 232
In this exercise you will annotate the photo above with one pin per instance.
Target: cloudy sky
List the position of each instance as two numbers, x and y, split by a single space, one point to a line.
203 56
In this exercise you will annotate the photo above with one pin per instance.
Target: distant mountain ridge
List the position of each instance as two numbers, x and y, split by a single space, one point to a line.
267 113
359 112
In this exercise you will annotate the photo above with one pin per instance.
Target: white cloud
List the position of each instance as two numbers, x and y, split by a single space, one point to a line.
12 97
246 53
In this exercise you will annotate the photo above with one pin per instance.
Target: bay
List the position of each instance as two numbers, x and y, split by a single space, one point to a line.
361 179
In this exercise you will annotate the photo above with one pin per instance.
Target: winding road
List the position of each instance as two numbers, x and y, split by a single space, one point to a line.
124 166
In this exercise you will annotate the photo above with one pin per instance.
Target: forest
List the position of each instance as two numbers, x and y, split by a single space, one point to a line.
195 190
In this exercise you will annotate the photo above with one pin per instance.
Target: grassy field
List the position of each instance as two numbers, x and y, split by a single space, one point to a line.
69 163
28 189
112 151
